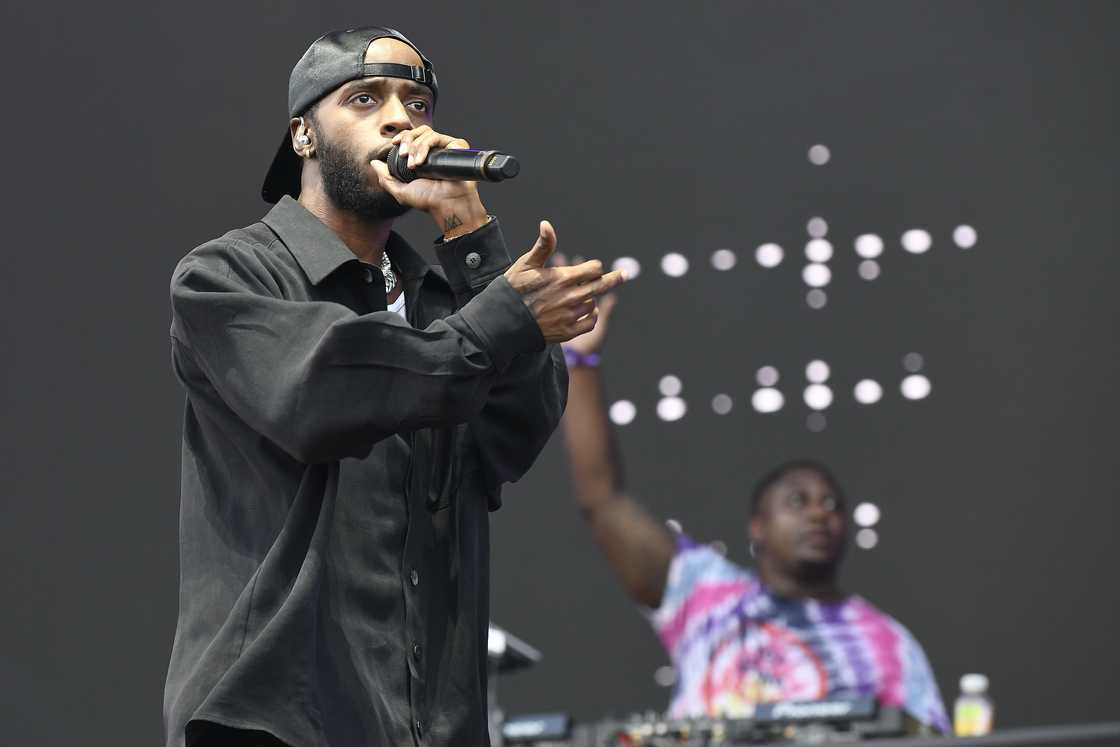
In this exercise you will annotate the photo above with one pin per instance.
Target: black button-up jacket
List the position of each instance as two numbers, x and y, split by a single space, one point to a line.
338 465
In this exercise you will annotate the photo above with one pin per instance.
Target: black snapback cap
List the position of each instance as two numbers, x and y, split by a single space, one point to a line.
333 59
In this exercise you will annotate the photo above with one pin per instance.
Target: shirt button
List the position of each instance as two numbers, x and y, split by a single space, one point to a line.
416 650
474 260
369 275
419 728
414 577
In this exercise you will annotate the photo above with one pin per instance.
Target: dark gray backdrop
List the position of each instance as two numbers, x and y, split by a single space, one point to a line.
135 131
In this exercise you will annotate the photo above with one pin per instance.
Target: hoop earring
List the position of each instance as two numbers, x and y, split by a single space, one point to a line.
753 548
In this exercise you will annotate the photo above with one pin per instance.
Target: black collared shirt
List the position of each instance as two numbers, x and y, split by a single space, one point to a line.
338 466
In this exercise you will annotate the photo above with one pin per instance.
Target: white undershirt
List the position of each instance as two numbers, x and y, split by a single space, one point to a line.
398 306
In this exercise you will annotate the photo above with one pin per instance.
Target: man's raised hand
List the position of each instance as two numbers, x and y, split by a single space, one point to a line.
561 299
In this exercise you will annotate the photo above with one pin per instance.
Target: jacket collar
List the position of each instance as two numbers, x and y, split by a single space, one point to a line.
320 252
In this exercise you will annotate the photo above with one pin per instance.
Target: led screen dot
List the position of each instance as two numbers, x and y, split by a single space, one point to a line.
868 392
723 259
869 246
767 400
913 362
869 269
964 237
818 250
767 376
665 676
816 422
721 404
769 255
669 386
915 386
866 514
917 241
628 265
674 265
816 275
818 396
817 227
671 408
819 155
623 412
816 298
817 372
867 538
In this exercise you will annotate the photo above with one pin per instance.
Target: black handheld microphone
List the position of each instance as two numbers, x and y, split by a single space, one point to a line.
456 165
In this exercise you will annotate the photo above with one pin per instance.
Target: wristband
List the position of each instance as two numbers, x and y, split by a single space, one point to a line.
576 359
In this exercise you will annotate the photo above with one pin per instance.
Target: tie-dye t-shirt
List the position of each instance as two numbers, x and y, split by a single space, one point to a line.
734 644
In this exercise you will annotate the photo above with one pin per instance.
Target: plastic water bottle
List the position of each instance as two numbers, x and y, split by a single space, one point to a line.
972 713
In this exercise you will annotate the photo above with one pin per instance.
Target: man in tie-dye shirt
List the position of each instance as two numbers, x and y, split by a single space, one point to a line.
738 637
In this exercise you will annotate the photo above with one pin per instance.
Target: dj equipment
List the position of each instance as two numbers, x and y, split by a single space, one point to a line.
833 721
830 721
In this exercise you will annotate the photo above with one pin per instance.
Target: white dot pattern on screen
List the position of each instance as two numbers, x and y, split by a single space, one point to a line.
917 241
818 396
867 538
721 404
868 392
866 514
670 409
818 250
964 237
817 372
723 259
623 412
628 265
674 265
767 376
869 246
767 400
669 386
916 387
816 275
769 255
665 676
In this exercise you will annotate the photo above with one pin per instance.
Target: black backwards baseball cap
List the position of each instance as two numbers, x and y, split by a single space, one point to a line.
333 59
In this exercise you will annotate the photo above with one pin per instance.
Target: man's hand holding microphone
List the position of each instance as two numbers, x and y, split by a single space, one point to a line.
561 299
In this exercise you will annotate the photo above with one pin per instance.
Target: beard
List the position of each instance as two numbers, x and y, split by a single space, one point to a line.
347 185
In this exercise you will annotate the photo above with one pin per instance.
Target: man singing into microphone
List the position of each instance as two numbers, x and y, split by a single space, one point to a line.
351 416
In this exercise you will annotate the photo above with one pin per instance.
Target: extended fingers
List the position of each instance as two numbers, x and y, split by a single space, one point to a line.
418 142
584 272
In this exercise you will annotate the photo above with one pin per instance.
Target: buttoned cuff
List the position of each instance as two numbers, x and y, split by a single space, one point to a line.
503 322
472 260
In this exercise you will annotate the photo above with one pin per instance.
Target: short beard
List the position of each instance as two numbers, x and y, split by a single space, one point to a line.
347 186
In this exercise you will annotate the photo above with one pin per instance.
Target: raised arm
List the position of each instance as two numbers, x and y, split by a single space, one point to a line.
638 547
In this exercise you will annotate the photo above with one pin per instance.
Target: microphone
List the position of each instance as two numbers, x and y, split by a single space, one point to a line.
456 165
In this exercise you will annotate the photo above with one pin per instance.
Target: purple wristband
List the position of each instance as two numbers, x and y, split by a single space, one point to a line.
574 359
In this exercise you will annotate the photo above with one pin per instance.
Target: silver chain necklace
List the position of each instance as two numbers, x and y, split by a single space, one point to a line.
387 271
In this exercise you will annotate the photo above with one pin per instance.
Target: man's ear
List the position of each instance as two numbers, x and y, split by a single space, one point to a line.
755 530
303 141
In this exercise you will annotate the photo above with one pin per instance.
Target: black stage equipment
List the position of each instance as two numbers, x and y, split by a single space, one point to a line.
456 165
